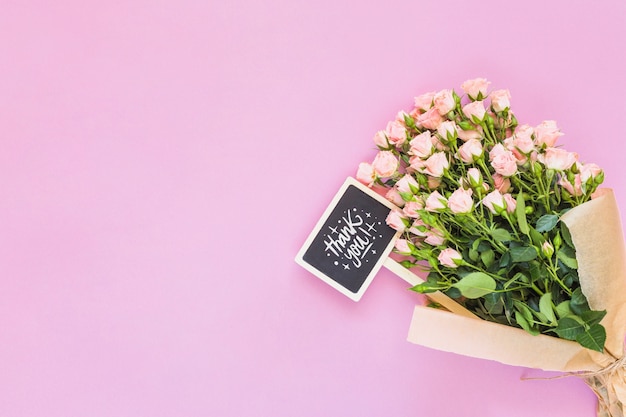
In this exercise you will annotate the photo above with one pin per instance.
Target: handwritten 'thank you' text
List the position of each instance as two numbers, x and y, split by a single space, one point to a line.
351 240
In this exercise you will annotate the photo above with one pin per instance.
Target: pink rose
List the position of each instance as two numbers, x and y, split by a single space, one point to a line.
524 143
416 163
444 102
524 131
547 133
412 208
407 184
511 203
418 228
466 135
497 150
436 164
474 177
438 144
435 202
503 160
396 221
558 159
461 201
575 189
470 151
434 237
520 157
425 101
422 145
403 247
475 111
380 139
495 202
447 130
450 258
400 116
500 100
589 171
394 196
476 89
396 132
431 119
385 164
501 183
366 174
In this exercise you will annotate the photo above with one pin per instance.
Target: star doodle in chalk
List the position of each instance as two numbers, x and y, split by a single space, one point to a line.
346 266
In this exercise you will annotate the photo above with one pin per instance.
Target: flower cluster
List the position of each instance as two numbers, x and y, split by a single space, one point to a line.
479 198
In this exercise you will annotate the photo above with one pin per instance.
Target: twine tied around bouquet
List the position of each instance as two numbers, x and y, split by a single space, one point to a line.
609 385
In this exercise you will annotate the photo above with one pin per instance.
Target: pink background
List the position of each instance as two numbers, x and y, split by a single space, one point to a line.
161 162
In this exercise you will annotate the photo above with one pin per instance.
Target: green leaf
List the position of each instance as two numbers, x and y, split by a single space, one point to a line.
568 328
547 222
473 254
523 323
475 285
523 254
494 303
563 309
501 235
505 260
593 338
578 302
483 246
453 292
487 257
520 213
592 317
568 257
567 237
537 270
545 307
523 309
570 278
536 237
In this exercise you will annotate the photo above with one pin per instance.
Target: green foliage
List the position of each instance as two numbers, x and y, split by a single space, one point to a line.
475 285
523 253
501 235
546 222
520 213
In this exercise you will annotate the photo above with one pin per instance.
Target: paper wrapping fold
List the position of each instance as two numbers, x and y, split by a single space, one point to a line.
597 234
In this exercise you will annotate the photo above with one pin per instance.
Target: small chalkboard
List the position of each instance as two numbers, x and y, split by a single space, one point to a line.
351 241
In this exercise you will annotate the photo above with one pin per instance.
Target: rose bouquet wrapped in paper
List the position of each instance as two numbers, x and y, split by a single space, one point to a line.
513 228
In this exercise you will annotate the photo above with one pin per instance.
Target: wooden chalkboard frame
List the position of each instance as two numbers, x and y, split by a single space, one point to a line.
383 254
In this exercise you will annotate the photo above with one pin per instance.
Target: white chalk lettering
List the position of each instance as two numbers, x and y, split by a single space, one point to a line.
352 241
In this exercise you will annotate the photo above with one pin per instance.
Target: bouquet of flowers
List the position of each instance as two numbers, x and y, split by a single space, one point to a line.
507 224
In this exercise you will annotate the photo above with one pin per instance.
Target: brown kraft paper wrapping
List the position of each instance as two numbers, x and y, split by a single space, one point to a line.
597 234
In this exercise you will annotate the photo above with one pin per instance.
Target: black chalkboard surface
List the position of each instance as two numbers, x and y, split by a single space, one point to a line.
351 240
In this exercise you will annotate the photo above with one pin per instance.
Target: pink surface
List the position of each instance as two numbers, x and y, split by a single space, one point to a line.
162 162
